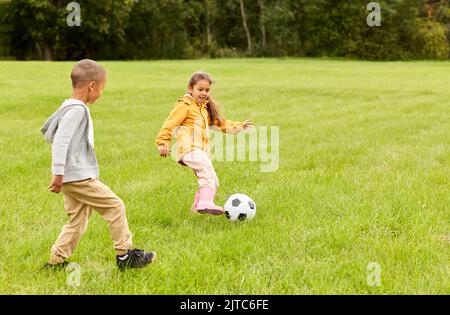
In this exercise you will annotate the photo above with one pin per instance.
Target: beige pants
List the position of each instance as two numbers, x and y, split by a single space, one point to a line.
79 200
200 163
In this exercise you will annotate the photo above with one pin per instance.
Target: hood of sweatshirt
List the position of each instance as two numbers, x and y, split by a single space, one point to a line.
51 125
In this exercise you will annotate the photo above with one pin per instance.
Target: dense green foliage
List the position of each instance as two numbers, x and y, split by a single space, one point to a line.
4 32
154 29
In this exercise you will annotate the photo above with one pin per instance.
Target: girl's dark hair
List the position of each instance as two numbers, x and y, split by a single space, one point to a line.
213 108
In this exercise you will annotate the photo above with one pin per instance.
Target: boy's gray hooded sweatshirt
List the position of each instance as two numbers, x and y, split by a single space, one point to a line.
70 130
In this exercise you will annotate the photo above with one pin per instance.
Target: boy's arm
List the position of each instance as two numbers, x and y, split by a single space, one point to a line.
176 117
67 126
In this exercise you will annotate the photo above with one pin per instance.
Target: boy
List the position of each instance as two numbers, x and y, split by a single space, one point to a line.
75 173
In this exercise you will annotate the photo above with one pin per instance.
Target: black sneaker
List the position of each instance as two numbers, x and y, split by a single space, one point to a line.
135 258
60 266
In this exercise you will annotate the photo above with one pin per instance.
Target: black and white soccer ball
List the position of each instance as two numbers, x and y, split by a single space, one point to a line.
240 207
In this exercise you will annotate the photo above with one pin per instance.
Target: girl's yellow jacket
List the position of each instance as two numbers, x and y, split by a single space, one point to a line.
189 122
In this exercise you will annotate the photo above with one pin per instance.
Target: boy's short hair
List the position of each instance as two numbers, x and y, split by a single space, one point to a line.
87 70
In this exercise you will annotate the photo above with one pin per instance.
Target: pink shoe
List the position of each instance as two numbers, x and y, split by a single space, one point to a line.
195 204
206 202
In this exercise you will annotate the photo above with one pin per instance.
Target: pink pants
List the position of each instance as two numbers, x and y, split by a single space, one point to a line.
200 163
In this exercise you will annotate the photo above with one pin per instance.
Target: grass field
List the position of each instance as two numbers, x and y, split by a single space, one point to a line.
363 177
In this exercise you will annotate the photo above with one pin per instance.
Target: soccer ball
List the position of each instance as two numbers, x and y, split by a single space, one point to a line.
240 207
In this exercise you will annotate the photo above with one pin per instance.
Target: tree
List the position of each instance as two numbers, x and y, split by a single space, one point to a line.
32 27
40 29
164 29
247 31
5 38
159 29
262 24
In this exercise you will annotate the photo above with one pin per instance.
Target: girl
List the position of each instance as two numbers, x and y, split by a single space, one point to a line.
190 121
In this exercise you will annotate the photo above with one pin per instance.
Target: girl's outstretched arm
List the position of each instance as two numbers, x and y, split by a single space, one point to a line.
230 126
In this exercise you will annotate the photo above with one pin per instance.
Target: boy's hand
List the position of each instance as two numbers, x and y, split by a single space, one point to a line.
163 151
247 124
57 182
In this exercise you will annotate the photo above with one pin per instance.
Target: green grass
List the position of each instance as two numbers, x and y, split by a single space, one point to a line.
364 177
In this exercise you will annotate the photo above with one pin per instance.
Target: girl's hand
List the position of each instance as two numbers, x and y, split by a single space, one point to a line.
163 151
247 124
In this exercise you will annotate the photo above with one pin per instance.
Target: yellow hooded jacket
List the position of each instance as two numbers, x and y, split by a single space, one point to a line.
190 121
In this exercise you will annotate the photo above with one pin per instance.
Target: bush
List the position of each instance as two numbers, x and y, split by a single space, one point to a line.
430 40
226 53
